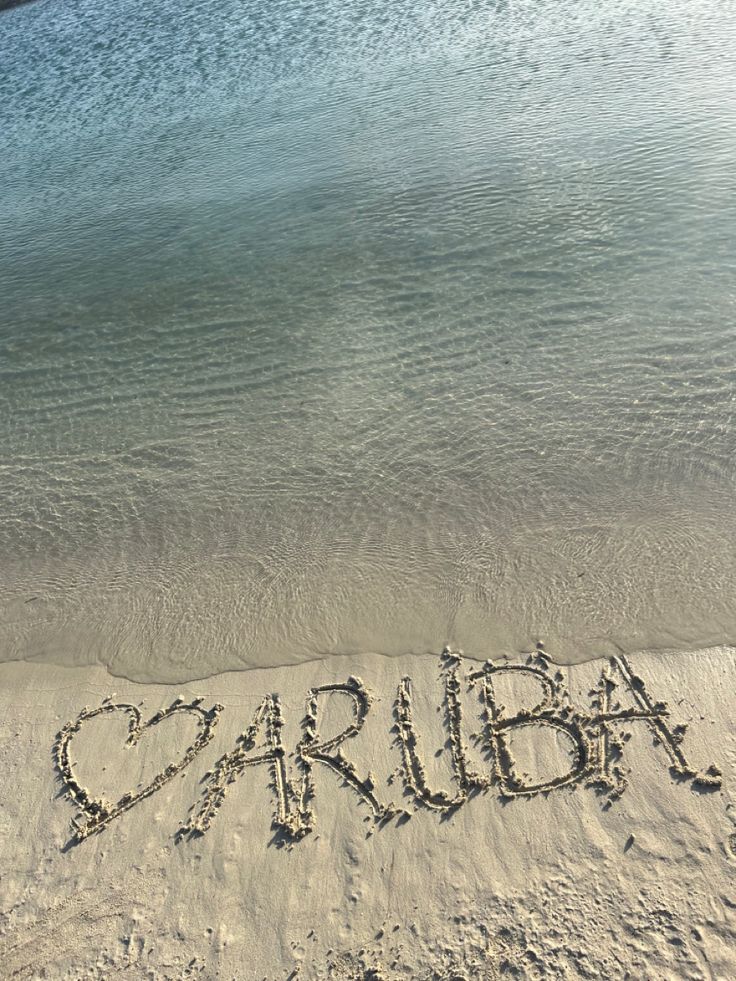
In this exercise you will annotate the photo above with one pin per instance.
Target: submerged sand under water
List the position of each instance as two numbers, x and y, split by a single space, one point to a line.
408 327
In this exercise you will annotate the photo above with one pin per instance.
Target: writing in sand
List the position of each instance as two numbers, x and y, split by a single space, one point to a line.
595 737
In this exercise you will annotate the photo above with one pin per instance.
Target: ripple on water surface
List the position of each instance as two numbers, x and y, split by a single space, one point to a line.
350 327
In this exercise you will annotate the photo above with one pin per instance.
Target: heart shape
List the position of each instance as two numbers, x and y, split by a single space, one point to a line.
100 812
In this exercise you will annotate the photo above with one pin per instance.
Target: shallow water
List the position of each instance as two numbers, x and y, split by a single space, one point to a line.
346 327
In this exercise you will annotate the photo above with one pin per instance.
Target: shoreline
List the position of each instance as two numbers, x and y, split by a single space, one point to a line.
608 649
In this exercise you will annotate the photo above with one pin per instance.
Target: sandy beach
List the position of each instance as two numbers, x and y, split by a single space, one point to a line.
332 333
372 818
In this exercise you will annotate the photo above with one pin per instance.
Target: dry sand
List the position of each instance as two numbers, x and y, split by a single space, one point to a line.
456 830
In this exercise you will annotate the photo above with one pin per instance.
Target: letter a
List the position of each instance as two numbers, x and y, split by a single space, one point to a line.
230 766
654 714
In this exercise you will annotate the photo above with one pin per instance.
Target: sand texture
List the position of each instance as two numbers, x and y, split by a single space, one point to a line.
372 818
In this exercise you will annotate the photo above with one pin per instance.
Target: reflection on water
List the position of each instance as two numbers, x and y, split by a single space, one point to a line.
353 327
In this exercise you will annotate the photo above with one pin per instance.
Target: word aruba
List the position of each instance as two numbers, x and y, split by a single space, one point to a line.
596 739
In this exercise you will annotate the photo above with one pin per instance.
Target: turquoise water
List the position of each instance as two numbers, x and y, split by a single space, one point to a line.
346 327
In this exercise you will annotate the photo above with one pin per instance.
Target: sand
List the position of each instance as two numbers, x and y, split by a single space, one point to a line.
372 818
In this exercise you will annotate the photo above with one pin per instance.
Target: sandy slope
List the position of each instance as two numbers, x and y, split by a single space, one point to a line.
464 877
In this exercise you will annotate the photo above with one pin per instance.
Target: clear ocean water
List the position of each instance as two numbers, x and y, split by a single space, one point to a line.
336 326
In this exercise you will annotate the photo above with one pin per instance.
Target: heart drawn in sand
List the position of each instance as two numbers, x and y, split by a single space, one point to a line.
99 812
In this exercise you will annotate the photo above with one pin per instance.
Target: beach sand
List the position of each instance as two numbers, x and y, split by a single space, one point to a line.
583 847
